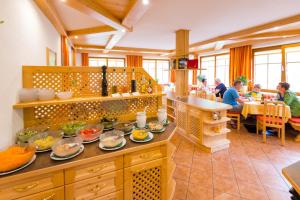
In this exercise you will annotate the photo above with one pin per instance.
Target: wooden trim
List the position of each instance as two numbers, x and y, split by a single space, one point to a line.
266 48
273 34
113 40
249 31
97 29
135 13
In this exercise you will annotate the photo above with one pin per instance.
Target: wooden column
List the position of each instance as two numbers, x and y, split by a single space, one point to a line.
182 51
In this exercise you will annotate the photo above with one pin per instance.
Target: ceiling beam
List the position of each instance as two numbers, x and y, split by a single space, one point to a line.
120 49
157 55
92 30
248 31
48 9
93 9
273 34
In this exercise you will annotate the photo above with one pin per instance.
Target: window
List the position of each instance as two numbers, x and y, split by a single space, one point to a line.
267 68
110 62
157 69
292 57
216 66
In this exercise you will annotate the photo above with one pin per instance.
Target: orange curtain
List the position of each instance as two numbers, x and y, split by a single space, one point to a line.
134 61
240 63
64 51
73 57
85 59
172 76
194 77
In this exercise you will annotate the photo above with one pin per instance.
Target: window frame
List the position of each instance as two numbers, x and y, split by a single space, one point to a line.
107 58
155 78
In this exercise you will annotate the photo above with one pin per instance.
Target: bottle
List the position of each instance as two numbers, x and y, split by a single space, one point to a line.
114 87
150 89
133 82
124 86
143 85
104 81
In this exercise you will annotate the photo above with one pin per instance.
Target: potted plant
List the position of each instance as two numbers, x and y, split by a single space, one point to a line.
244 80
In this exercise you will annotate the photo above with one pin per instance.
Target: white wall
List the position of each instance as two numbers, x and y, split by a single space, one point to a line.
24 37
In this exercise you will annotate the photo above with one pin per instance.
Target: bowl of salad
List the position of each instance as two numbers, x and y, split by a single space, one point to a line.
25 134
90 132
71 129
44 141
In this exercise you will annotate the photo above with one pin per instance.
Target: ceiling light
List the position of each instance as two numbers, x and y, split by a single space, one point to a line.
80 47
276 28
75 36
145 2
284 36
123 30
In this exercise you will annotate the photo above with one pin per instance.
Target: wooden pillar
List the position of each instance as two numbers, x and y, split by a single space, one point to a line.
182 51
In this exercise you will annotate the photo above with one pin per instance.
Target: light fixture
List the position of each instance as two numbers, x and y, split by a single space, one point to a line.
123 30
80 47
145 2
276 28
75 36
284 36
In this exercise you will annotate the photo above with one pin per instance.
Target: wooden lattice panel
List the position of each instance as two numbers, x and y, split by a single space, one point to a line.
181 117
147 184
194 124
82 81
54 115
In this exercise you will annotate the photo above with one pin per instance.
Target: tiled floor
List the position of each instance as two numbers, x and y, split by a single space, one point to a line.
248 170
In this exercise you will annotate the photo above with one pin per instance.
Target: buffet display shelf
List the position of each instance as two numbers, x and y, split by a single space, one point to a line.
213 122
81 99
212 133
171 107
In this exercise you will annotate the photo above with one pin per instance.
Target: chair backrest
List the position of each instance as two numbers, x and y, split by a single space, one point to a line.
274 113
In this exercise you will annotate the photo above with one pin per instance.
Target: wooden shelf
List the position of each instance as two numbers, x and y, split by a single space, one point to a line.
80 100
213 122
212 133
171 116
171 107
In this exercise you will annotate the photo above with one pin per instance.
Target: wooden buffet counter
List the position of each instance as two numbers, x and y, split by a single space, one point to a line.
193 116
138 171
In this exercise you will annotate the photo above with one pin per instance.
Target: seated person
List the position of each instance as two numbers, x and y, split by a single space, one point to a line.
290 98
204 86
232 97
220 88
279 97
255 93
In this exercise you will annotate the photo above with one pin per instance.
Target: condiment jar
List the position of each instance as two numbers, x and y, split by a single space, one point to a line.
141 119
162 115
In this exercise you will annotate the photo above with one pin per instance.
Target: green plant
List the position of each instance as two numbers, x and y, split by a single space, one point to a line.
243 79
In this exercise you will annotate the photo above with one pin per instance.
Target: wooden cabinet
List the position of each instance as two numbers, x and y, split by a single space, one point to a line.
146 181
93 169
53 194
95 187
21 188
113 196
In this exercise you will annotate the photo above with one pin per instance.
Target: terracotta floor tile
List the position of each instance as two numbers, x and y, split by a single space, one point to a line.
225 196
182 173
181 189
200 177
224 184
183 160
252 191
202 164
247 175
223 169
195 192
274 182
278 195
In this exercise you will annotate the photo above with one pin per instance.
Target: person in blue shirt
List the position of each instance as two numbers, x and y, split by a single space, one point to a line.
220 88
232 97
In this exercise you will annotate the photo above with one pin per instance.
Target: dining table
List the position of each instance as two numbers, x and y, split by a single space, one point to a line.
257 108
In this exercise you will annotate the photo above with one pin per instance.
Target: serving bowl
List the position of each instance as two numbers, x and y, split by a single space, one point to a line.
46 94
90 132
25 134
64 95
28 94
72 128
124 126
112 138
108 123
44 141
67 146
155 126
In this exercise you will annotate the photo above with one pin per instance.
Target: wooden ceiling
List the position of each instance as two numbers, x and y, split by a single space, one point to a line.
110 20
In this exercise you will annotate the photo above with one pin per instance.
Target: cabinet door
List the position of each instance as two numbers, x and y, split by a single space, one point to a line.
54 194
146 181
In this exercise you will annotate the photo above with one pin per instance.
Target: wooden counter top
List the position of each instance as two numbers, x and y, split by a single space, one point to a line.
292 174
43 163
203 104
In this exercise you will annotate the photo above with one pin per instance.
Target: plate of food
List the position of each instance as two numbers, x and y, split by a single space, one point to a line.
156 127
108 123
16 157
67 148
141 135
112 140
126 127
71 129
44 141
90 133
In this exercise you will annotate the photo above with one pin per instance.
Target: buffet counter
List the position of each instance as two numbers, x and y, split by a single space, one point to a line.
201 121
144 169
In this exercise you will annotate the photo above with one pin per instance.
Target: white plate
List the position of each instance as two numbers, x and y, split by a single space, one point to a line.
54 157
159 131
114 148
90 141
22 167
69 136
149 138
41 151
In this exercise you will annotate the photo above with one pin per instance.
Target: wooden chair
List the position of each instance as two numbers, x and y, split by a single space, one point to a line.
295 123
235 116
274 117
